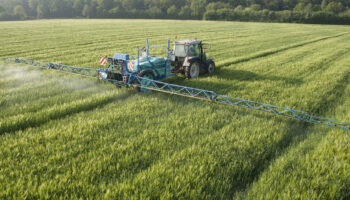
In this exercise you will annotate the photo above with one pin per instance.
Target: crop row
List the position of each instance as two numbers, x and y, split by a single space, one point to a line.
83 49
164 154
116 146
316 168
150 145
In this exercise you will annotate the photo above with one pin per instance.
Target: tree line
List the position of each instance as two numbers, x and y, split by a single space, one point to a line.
298 11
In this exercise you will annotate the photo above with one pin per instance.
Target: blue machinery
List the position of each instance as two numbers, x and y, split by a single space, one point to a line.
190 92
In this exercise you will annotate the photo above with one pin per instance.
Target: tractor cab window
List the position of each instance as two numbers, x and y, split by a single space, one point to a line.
180 50
194 50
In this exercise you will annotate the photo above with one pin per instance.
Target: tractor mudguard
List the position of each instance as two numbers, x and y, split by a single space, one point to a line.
189 60
209 61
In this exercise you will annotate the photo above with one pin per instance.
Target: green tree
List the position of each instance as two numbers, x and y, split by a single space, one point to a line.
324 4
316 8
115 11
56 8
172 11
213 6
255 7
2 9
164 5
308 8
105 4
32 7
133 4
239 8
33 4
185 12
154 12
40 10
87 11
198 7
20 12
299 7
235 3
335 7
273 4
78 6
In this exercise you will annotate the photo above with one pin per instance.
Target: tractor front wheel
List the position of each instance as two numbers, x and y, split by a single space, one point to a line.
192 71
211 66
143 82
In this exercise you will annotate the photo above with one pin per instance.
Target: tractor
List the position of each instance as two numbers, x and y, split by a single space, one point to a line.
189 58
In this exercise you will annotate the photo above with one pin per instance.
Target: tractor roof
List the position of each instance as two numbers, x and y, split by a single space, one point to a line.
188 42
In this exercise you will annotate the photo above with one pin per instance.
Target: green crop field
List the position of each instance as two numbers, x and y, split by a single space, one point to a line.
71 137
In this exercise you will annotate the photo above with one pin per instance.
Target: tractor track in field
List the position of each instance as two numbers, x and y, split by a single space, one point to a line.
298 132
143 164
22 122
91 45
121 136
137 143
326 63
331 97
164 159
44 102
262 43
158 158
169 158
274 51
101 42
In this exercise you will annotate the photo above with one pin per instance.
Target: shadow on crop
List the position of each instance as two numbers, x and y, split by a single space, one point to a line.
202 83
295 133
275 51
220 85
241 75
325 63
221 80
37 121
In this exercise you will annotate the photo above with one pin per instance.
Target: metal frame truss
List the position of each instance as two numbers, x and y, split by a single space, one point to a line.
192 93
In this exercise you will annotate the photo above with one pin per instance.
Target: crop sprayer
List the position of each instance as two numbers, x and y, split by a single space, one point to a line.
187 58
145 72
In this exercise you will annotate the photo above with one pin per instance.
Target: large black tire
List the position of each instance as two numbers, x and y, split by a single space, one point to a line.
110 75
113 76
211 66
118 86
193 70
146 74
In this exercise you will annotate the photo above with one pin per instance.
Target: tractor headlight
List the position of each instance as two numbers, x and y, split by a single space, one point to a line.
103 75
172 57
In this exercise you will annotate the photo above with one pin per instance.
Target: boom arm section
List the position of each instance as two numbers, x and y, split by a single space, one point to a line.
192 93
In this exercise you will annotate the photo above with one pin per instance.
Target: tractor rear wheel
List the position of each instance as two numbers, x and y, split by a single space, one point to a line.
142 82
192 71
